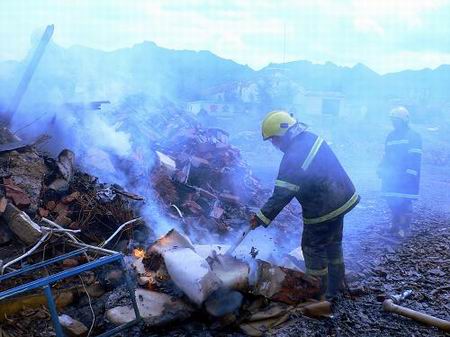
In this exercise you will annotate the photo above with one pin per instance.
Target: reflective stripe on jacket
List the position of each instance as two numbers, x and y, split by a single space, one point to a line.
400 167
310 172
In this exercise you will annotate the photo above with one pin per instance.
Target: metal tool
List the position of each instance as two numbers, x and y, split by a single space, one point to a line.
247 229
397 299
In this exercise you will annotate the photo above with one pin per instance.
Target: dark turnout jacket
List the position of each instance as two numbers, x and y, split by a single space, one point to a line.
311 173
400 168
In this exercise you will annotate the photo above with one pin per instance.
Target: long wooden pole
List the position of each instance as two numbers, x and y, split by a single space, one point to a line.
388 305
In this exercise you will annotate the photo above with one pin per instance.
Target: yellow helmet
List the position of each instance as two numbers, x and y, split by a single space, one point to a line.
400 112
276 123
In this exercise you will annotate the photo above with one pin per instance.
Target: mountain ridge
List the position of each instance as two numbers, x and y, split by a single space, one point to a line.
81 73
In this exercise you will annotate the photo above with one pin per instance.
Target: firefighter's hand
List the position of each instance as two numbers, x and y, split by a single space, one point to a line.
254 222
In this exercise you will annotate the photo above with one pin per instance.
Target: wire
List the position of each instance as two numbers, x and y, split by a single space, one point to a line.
36 246
118 231
90 305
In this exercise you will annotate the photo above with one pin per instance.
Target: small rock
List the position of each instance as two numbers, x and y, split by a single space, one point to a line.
66 163
155 309
51 205
72 327
43 212
59 185
20 223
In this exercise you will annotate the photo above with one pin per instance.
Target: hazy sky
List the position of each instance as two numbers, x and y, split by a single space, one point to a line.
386 35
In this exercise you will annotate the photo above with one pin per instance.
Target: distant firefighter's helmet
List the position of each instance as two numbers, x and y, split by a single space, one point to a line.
400 112
277 123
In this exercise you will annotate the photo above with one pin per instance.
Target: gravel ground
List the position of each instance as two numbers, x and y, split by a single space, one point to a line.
379 266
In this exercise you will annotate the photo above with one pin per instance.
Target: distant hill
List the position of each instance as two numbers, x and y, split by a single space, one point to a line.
362 81
80 74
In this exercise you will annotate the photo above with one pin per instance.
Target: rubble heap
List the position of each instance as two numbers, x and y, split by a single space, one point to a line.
203 179
199 180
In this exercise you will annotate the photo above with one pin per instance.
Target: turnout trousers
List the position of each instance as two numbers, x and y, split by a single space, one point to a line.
401 212
322 250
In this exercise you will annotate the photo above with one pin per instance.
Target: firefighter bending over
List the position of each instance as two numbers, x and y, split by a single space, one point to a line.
311 173
400 170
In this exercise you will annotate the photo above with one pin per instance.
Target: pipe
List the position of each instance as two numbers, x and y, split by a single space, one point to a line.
389 306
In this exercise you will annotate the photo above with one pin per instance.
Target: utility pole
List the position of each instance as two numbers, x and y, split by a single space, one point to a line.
28 74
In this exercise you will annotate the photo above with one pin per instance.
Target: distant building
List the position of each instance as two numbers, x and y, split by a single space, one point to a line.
319 102
211 108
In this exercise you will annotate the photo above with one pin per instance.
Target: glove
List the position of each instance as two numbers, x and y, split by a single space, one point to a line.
254 223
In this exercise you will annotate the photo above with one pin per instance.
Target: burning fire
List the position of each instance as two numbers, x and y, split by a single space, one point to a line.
139 253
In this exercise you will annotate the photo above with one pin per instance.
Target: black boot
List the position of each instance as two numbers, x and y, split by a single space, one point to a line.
336 274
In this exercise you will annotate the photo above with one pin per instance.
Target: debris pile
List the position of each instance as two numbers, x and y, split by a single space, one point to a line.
221 285
200 179
48 207
203 179
36 187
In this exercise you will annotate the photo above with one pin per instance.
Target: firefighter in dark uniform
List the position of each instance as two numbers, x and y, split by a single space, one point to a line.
311 173
400 170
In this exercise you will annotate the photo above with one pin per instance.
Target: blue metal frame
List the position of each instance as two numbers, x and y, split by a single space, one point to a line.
45 284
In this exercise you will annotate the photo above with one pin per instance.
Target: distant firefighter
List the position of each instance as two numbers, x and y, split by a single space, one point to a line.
310 173
400 170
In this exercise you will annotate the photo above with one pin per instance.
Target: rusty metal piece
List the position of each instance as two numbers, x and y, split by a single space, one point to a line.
389 306
397 299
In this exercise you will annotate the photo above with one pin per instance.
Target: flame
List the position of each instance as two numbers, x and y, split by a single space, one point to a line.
139 253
